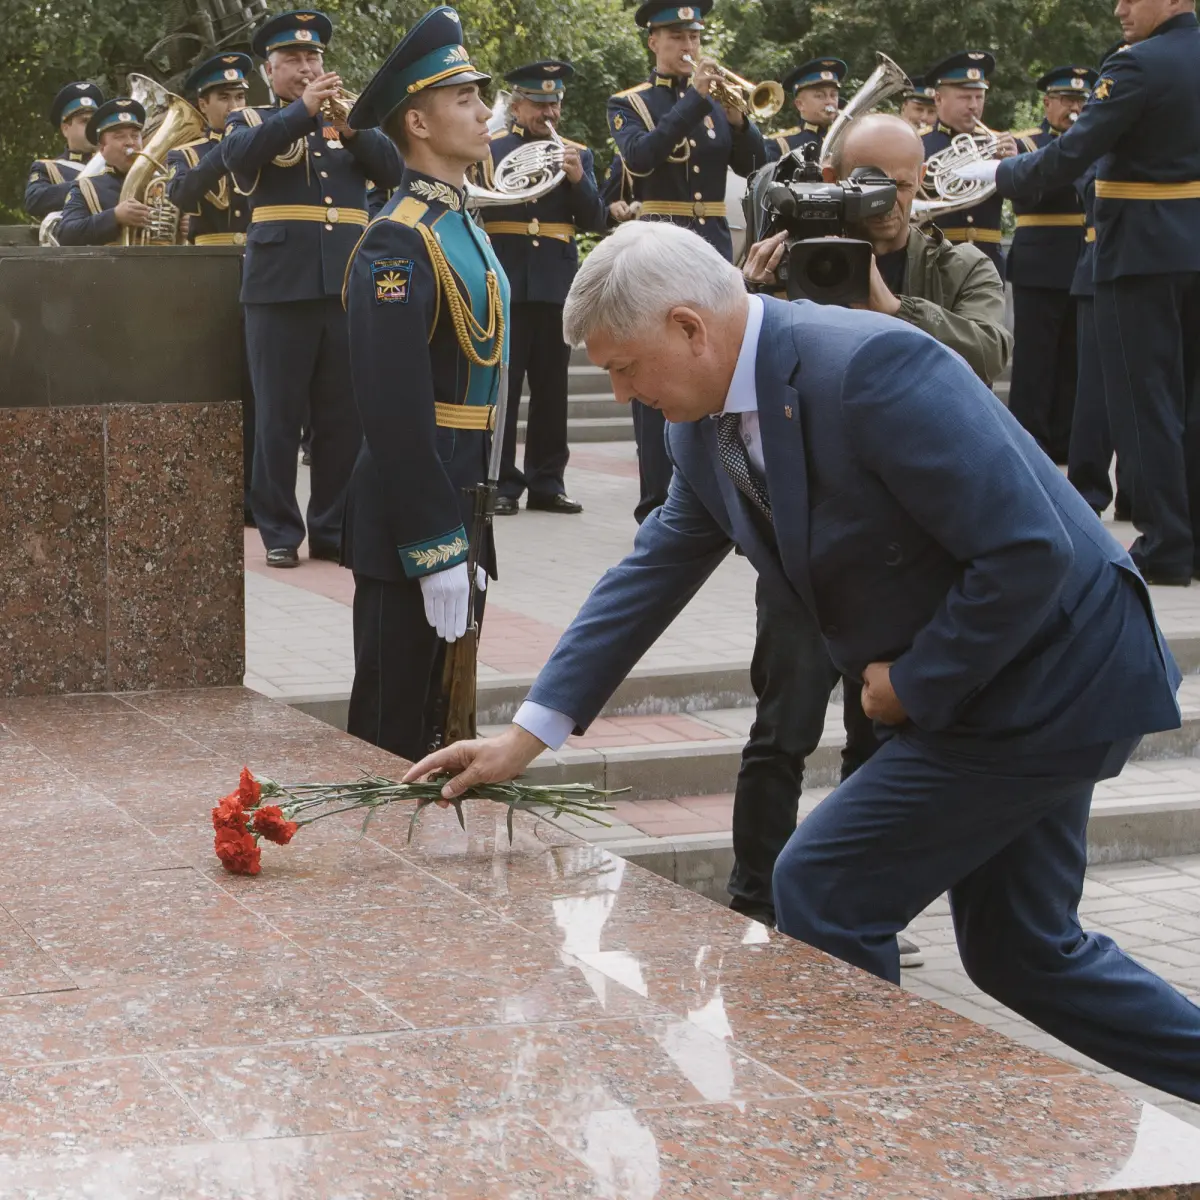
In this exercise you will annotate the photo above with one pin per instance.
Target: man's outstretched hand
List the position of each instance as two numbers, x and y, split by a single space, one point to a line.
483 760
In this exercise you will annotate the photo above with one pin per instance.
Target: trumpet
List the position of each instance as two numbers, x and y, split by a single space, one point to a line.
758 100
336 109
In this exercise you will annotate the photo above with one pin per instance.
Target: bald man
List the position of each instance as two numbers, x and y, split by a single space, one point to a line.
953 293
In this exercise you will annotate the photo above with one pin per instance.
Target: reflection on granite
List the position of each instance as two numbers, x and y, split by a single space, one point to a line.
458 1017
124 536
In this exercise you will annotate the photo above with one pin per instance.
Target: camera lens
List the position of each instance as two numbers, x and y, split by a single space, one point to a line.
827 269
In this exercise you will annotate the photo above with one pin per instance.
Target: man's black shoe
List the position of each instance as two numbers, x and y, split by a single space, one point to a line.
283 556
325 553
506 506
562 503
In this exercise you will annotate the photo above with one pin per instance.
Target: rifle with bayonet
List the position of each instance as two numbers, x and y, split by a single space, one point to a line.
455 718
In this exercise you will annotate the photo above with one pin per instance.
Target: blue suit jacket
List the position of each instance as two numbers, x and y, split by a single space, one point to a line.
921 525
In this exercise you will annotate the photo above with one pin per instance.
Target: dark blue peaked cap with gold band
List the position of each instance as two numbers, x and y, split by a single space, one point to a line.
224 70
967 68
917 90
431 55
75 97
116 114
303 27
1071 81
541 81
815 73
654 14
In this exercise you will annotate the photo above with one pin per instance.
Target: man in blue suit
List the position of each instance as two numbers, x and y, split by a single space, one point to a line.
867 473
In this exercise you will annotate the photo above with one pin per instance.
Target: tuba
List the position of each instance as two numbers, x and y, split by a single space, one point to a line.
48 230
524 174
175 123
885 81
953 192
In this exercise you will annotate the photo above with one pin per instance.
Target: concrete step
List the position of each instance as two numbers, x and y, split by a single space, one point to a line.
616 428
585 405
586 378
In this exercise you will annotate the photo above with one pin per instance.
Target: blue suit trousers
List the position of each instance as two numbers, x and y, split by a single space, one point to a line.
1007 837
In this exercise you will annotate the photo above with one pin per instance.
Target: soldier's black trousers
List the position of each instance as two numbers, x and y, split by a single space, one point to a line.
1090 456
536 350
248 418
654 465
1042 396
1148 327
299 355
398 660
792 677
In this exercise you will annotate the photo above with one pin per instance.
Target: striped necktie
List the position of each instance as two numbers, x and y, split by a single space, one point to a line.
736 462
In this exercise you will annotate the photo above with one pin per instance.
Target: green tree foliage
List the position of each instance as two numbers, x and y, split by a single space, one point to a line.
49 42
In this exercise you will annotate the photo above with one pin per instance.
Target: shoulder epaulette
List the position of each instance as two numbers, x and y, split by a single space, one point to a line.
795 129
252 115
52 172
409 212
641 87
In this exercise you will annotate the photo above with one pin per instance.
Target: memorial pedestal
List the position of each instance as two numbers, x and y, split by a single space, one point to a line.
120 470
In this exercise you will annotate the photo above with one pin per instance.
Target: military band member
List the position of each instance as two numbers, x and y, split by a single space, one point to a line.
428 306
535 244
95 214
960 85
1041 265
917 106
199 184
815 88
305 177
50 179
1142 129
678 146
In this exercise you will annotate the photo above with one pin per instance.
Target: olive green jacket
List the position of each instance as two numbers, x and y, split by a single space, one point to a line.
954 293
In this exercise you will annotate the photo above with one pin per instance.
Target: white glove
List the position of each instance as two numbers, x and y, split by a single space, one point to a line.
446 595
984 172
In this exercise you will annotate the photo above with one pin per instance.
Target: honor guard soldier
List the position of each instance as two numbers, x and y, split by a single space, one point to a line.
50 179
95 214
199 184
1142 128
428 304
1041 265
960 87
678 146
917 106
304 173
535 243
816 89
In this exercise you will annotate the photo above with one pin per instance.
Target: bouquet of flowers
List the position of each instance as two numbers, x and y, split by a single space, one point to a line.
244 818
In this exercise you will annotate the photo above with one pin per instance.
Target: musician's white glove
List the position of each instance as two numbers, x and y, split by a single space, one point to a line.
983 172
446 597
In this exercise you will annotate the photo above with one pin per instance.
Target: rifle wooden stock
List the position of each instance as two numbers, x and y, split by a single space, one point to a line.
458 687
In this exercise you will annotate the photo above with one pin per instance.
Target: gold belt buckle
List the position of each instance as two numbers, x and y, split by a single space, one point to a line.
534 227
331 215
239 239
698 208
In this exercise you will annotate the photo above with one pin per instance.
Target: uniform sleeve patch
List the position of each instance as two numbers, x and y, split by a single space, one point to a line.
391 277
1103 89
618 122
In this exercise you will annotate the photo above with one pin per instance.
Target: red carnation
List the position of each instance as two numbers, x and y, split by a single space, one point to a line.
229 814
238 852
249 789
269 822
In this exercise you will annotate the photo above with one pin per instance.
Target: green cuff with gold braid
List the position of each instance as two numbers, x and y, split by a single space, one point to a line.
434 554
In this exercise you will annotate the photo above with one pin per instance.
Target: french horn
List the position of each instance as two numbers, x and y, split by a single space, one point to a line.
941 178
527 173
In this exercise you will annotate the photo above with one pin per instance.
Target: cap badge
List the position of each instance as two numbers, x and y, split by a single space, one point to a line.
81 87
686 14
826 74
548 85
86 102
974 54
974 73
458 54
1077 83
304 35
229 58
125 116
306 16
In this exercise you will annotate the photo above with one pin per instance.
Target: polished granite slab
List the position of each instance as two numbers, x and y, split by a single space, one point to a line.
458 1017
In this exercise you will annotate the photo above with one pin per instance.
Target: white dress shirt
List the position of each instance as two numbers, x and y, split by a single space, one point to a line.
549 725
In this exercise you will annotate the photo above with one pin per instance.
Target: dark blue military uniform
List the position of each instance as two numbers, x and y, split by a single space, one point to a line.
819 72
307 192
1041 265
1142 127
535 244
427 302
677 146
979 224
89 217
50 179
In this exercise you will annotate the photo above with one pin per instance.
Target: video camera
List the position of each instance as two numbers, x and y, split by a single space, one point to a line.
821 263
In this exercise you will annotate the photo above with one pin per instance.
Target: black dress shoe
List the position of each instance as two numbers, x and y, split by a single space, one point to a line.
562 503
325 553
506 506
283 556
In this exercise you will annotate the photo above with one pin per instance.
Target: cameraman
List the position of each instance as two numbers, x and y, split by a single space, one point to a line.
954 293
951 291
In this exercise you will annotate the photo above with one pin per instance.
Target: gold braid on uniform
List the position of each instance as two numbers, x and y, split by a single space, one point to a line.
292 155
466 328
